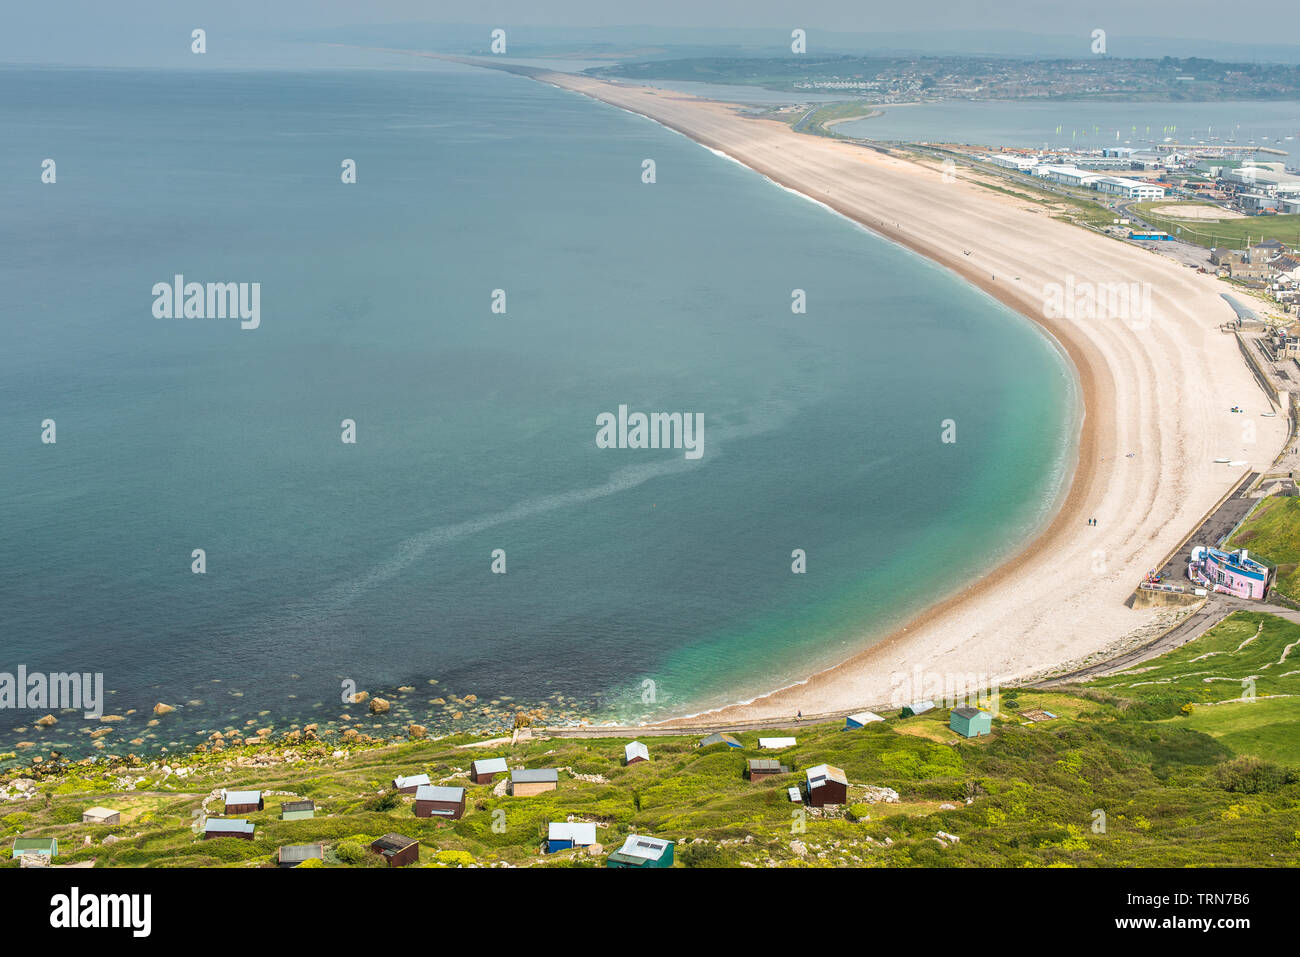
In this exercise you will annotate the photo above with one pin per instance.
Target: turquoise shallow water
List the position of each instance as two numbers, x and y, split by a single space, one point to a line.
476 431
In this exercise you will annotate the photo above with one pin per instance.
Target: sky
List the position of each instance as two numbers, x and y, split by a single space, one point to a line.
156 32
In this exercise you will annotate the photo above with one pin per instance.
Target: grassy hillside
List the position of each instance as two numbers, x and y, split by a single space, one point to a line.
1180 780
1272 534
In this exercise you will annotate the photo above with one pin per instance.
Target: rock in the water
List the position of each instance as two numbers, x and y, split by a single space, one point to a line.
378 706
161 708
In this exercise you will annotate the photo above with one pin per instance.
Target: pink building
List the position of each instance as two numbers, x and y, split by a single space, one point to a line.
1230 573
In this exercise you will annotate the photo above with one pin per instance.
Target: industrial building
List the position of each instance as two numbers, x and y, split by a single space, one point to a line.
1128 188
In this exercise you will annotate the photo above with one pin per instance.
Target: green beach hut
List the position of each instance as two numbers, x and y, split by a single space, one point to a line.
45 846
638 851
970 722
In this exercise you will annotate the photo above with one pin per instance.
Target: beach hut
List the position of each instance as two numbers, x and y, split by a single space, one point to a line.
970 722
726 739
101 815
243 802
525 783
562 835
227 827
634 752
407 785
291 855
439 802
397 849
298 810
917 707
776 744
638 851
861 720
827 785
484 770
47 847
758 768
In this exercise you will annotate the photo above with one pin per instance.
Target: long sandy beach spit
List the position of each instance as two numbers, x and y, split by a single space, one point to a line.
1163 393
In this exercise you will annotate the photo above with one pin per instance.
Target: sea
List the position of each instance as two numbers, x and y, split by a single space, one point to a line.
1090 124
500 274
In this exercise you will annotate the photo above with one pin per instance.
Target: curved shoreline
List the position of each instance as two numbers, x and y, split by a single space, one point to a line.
1101 431
1156 388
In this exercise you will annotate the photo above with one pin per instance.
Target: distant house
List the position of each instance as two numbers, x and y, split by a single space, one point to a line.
827 785
484 770
244 802
726 739
101 815
297 810
526 783
408 785
640 851
291 855
758 768
439 802
917 707
970 722
561 836
397 849
861 720
776 744
44 846
634 752
227 827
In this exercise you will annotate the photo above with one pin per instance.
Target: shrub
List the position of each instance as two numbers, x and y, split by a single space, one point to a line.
1246 775
700 855
383 802
350 852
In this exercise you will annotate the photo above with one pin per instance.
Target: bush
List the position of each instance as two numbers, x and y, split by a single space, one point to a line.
384 802
311 862
1247 775
700 855
66 814
350 852
858 812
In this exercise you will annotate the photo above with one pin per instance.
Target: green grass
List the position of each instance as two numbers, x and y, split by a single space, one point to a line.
1232 233
1264 729
1272 534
